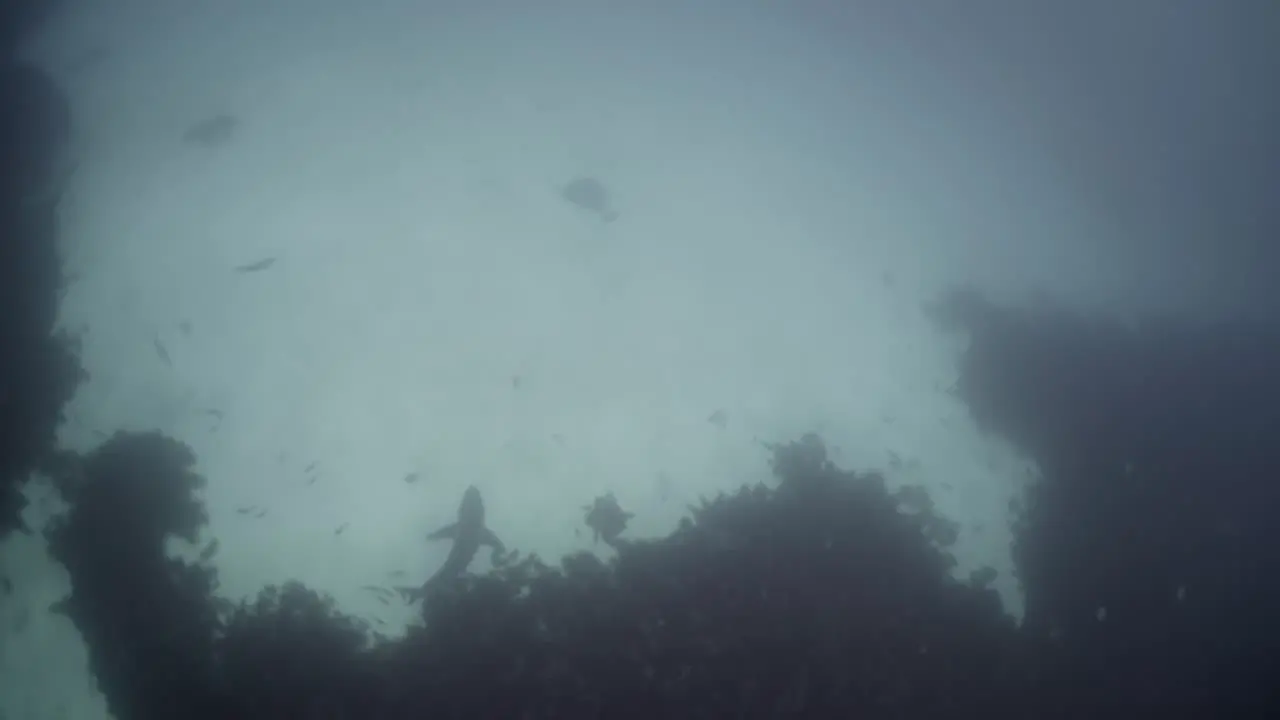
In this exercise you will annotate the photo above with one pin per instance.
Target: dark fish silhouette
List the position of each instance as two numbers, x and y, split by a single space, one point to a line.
377 590
591 195
161 351
209 551
258 266
468 534
216 416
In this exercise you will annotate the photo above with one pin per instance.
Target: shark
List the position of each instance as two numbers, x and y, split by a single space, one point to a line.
468 533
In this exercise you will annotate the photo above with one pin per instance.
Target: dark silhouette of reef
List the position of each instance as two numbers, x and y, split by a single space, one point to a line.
1158 509
1149 577
39 370
817 596
19 18
1146 552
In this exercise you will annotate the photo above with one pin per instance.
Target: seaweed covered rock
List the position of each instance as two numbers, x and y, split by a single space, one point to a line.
149 620
818 596
290 653
39 369
815 597
1147 549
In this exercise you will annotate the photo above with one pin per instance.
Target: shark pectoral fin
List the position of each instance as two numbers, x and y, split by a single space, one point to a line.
488 538
448 532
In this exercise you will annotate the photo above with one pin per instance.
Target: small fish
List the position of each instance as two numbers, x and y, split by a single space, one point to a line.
209 551
217 418
6 585
161 351
589 194
258 266
719 418
312 480
245 509
382 599
184 327
341 529
378 590
262 512
411 478
309 468
515 382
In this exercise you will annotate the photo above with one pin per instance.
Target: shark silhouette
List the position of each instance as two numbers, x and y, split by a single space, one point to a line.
468 534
